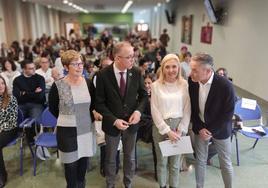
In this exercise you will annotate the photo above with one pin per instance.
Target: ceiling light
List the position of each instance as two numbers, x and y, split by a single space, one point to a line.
70 4
65 2
126 6
159 4
167 1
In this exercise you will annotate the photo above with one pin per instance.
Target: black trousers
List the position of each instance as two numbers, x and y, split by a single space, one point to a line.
75 173
5 138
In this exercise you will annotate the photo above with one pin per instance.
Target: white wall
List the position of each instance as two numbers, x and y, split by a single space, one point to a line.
140 16
2 24
41 20
240 45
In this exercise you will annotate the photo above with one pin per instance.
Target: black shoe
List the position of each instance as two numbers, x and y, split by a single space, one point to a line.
102 172
5 177
2 182
81 184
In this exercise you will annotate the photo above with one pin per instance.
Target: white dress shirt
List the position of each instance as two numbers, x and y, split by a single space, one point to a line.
203 95
170 100
118 76
47 76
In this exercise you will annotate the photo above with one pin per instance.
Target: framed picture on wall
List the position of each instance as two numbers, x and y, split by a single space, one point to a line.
206 34
186 33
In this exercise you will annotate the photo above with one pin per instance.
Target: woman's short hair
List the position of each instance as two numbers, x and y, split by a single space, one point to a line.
167 58
225 73
13 65
151 76
68 56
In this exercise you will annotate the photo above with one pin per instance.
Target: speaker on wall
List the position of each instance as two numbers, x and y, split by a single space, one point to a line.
171 17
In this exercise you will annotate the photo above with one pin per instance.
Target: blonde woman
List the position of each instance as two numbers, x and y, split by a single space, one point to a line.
170 108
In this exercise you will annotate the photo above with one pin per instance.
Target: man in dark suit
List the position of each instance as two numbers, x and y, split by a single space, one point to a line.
120 98
212 103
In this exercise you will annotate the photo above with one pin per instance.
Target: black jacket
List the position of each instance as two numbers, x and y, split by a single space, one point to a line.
219 107
111 105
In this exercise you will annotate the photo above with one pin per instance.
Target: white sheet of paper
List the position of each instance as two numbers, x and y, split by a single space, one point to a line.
180 147
249 103
249 129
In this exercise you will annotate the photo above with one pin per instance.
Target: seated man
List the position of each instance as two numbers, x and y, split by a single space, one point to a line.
46 72
29 89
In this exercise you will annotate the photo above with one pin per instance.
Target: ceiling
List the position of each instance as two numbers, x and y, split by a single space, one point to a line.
99 5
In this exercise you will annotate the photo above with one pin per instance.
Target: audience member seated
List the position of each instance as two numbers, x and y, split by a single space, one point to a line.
185 66
143 65
29 89
182 54
46 72
8 124
9 73
223 72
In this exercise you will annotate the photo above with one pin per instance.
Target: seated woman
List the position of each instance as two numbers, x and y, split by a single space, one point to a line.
71 100
8 124
171 111
9 73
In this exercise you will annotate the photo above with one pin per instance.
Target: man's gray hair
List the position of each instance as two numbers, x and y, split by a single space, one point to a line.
203 59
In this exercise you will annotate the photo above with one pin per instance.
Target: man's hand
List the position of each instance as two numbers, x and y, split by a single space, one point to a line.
205 134
134 118
38 90
97 116
121 124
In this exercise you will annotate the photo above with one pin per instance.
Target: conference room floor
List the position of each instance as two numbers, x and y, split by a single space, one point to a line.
251 173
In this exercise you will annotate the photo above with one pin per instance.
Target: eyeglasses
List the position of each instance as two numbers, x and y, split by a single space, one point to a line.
128 57
77 64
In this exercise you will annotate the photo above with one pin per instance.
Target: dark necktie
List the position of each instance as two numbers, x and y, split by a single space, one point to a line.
122 86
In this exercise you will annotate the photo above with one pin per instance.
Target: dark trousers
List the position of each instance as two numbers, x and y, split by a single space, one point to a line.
75 173
129 142
5 138
102 160
31 110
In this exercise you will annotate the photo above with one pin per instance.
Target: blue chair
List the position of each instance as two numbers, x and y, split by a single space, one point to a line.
245 115
45 139
21 124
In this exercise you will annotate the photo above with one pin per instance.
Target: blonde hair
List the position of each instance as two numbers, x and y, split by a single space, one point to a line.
69 56
167 58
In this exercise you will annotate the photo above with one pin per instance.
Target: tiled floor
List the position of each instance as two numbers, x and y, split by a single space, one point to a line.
252 172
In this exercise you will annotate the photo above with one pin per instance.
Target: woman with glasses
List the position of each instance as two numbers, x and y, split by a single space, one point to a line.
71 101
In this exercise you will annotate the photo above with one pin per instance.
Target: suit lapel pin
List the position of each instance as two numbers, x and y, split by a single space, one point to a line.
130 74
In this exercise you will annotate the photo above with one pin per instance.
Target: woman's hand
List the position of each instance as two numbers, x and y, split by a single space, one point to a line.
174 135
